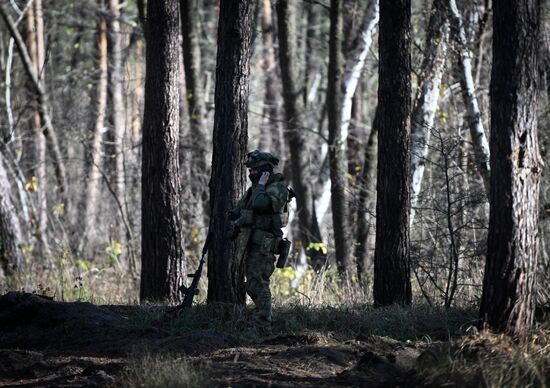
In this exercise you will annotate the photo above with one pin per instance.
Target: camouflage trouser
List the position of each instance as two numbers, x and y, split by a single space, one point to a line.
259 267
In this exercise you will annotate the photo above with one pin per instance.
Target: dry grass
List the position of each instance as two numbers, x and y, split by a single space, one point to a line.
160 371
488 360
70 279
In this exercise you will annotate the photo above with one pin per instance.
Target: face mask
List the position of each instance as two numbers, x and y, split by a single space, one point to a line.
254 178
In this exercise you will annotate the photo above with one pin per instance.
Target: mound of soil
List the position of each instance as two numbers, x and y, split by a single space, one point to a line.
47 343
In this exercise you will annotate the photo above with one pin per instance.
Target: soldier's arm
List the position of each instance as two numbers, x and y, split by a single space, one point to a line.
235 213
261 202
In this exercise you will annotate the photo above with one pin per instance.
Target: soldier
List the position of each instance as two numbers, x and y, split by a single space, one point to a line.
257 220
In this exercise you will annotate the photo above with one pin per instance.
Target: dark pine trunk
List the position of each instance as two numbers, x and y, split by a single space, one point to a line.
391 262
162 255
225 271
336 148
508 300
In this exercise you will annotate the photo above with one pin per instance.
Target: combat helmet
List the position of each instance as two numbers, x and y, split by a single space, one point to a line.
256 159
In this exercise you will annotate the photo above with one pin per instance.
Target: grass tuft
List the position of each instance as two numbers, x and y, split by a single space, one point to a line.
159 371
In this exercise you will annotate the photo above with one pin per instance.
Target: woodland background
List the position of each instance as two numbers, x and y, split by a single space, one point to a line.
72 108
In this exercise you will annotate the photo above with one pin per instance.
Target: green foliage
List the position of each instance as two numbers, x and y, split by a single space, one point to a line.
113 251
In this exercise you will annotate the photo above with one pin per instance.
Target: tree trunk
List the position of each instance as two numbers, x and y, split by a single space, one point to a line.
365 188
355 64
225 270
392 282
11 256
353 68
354 140
195 98
336 149
509 285
162 255
94 174
271 129
115 69
35 43
423 113
473 116
313 67
294 112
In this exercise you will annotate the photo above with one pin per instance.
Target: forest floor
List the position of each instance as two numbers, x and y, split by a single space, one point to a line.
44 343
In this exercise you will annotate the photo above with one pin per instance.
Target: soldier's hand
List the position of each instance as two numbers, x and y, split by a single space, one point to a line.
264 178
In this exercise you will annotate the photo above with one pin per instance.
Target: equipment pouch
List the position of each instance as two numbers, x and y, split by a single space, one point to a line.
265 240
284 250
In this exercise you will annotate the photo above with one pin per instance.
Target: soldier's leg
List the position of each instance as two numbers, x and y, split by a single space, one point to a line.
259 268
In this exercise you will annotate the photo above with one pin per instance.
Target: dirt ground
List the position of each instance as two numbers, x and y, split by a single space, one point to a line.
44 343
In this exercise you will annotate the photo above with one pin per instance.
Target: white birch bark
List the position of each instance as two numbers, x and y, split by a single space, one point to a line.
352 73
355 65
10 229
473 113
423 114
9 63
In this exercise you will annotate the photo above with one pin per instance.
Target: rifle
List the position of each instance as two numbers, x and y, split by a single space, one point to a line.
190 292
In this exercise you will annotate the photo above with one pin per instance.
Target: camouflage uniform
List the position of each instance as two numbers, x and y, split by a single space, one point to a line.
260 225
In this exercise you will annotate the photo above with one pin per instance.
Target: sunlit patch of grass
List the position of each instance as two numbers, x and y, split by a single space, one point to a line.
348 321
323 288
159 371
70 279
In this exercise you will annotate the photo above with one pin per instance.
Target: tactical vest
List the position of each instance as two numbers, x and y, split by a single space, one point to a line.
272 221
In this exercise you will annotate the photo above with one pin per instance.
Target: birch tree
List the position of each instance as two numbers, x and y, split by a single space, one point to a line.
11 236
353 67
423 113
95 152
473 113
